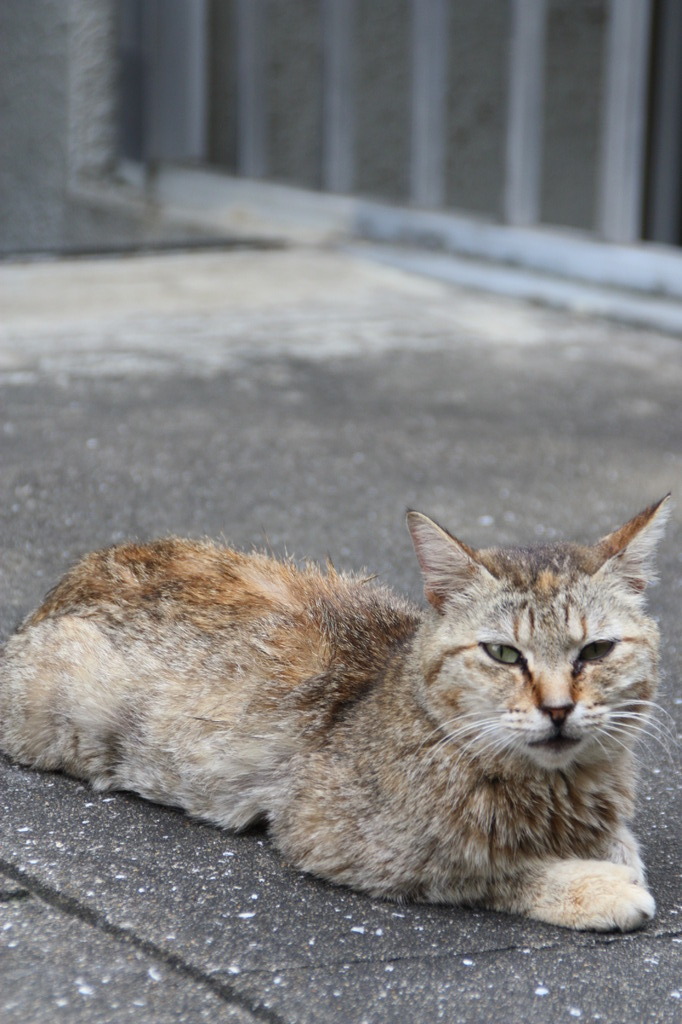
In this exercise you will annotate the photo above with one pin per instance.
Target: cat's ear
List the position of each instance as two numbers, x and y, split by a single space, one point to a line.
448 566
629 551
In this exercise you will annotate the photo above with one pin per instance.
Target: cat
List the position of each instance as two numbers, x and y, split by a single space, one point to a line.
477 752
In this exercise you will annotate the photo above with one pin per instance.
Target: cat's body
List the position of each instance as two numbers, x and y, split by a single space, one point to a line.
397 751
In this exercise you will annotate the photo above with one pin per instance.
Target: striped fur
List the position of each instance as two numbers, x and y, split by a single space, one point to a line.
386 748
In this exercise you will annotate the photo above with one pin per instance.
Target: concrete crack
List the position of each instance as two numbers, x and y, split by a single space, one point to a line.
29 886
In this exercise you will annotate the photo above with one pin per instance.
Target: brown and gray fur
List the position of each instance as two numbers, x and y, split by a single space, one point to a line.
383 745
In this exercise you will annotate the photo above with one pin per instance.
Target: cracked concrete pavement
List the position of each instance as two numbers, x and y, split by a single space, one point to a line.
309 396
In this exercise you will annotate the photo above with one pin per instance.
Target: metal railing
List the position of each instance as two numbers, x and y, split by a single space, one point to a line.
623 201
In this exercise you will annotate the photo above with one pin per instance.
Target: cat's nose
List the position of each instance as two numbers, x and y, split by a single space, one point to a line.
558 714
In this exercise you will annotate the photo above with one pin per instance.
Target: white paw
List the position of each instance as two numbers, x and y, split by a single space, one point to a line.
597 895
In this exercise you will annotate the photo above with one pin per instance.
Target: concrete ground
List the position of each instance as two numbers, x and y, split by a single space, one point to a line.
309 397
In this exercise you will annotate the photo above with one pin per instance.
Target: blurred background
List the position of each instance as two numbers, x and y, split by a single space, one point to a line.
285 221
138 122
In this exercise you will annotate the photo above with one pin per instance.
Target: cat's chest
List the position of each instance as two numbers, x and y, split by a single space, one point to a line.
558 814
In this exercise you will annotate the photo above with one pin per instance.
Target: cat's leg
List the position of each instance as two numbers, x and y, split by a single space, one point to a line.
584 894
70 701
61 686
624 849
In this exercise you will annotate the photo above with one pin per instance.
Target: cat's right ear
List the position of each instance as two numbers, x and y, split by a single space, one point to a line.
448 566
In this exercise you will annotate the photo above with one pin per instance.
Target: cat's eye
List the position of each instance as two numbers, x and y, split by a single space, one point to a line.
502 652
596 650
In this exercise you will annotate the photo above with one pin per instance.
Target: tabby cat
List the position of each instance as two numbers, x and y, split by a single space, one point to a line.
478 752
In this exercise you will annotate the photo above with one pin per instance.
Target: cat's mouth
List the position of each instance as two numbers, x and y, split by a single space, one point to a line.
557 742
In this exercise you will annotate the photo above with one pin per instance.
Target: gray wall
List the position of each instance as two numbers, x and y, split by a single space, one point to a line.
576 42
34 47
477 105
58 131
59 94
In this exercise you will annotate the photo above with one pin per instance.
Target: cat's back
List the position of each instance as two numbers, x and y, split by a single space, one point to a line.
172 579
155 666
205 627
211 591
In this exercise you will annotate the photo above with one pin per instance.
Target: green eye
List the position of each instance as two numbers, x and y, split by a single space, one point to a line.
501 652
596 650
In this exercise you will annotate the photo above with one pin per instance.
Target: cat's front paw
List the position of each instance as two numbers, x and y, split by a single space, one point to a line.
594 895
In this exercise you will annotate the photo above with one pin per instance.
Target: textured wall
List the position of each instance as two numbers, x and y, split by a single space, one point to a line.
382 83
93 82
58 94
58 102
576 41
478 35
294 61
33 140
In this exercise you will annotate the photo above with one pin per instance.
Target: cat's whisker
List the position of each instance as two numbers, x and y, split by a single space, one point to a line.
461 730
495 746
596 738
445 725
613 736
637 702
643 718
640 701
635 733
607 731
627 734
476 749
473 730
644 722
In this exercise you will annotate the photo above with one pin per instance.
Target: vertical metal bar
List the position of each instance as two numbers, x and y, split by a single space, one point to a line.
152 95
196 97
621 181
525 112
338 128
175 95
251 88
429 81
133 67
665 188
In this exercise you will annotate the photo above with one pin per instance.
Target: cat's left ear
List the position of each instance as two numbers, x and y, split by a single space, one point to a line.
629 551
449 566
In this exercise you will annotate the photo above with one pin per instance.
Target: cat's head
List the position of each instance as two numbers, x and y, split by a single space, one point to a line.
543 652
